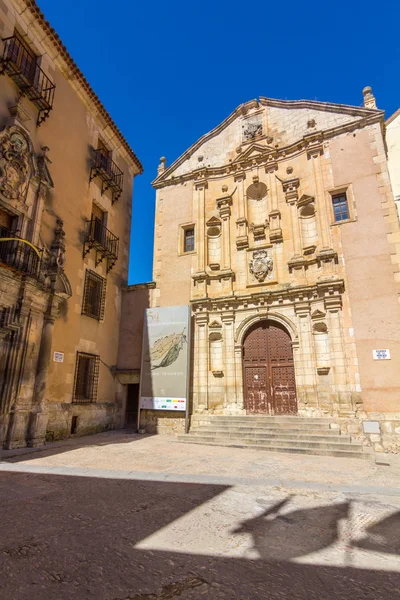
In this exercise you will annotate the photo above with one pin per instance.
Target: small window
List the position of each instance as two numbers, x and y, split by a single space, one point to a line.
340 207
188 240
86 377
94 295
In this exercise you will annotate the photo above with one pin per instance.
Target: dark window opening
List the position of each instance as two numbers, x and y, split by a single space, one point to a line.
86 377
94 295
188 242
340 207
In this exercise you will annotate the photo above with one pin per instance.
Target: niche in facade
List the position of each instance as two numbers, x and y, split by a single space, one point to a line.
214 243
256 196
309 231
322 350
216 358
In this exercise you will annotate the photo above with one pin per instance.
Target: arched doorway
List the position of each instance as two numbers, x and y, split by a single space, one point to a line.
268 370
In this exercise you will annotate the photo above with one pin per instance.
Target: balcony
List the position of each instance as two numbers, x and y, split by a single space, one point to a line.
21 65
19 256
105 243
110 174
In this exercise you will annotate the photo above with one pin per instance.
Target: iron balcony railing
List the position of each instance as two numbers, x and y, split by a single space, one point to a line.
110 174
105 243
17 254
18 62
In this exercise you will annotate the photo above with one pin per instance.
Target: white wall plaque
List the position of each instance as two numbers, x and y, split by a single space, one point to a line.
371 427
58 357
381 354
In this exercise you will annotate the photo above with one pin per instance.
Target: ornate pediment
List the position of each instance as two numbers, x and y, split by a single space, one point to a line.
254 151
16 163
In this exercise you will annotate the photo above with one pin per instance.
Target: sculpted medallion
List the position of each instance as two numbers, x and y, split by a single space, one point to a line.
261 265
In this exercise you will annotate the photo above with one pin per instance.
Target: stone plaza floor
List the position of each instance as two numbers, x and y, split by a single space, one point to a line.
120 516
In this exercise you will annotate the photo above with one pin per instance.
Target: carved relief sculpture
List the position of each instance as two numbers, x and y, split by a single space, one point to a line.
261 265
14 163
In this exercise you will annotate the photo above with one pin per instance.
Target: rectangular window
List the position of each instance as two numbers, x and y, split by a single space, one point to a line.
340 207
86 377
94 295
188 240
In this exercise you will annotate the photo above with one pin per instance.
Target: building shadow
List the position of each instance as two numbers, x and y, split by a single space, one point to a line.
82 537
382 537
96 440
296 533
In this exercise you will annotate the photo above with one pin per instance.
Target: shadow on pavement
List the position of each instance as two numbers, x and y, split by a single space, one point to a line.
66 537
109 438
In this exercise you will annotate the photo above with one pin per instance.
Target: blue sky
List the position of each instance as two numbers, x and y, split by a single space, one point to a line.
170 71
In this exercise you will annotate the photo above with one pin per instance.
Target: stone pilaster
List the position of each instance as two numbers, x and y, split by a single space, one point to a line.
200 375
229 360
199 189
340 380
242 240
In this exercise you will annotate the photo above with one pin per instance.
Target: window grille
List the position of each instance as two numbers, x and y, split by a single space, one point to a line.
188 241
94 295
86 377
340 207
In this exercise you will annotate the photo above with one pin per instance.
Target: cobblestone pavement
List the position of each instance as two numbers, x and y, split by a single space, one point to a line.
119 516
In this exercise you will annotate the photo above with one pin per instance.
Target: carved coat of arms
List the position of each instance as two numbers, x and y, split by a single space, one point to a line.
261 265
14 163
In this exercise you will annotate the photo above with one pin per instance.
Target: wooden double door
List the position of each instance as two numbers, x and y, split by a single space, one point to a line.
268 370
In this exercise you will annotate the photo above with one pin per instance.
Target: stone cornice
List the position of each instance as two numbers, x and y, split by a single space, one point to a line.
330 291
308 143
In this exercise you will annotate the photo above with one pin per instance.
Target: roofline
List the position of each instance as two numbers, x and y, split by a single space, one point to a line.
392 117
263 101
55 39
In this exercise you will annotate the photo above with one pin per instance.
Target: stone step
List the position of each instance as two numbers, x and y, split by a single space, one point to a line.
290 443
263 418
333 450
243 425
263 434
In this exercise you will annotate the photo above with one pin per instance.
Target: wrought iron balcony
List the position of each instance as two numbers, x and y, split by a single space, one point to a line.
110 174
105 243
19 63
17 254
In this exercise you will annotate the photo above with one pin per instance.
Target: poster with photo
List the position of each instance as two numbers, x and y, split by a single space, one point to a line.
165 358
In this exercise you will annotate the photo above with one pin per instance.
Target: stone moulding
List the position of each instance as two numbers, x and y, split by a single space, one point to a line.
267 154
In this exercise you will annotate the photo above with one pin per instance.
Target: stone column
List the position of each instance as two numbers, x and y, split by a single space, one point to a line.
241 223
229 361
200 375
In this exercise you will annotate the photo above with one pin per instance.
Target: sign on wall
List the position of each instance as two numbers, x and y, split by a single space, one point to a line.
58 357
381 354
165 358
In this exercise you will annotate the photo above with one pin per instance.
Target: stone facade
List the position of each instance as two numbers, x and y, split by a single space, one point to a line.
62 161
260 191
393 148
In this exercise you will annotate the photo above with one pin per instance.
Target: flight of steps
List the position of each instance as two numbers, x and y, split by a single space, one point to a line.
277 434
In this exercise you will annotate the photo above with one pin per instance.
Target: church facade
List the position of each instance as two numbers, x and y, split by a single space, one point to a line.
279 228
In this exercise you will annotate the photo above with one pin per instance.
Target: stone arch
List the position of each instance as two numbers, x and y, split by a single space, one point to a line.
270 316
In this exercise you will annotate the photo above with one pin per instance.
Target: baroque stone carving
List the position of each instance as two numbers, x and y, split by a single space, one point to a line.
14 163
261 265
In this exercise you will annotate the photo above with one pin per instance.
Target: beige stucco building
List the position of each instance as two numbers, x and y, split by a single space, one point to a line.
280 229
66 176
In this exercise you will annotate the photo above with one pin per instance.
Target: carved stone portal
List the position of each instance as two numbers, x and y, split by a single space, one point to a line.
14 163
261 265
